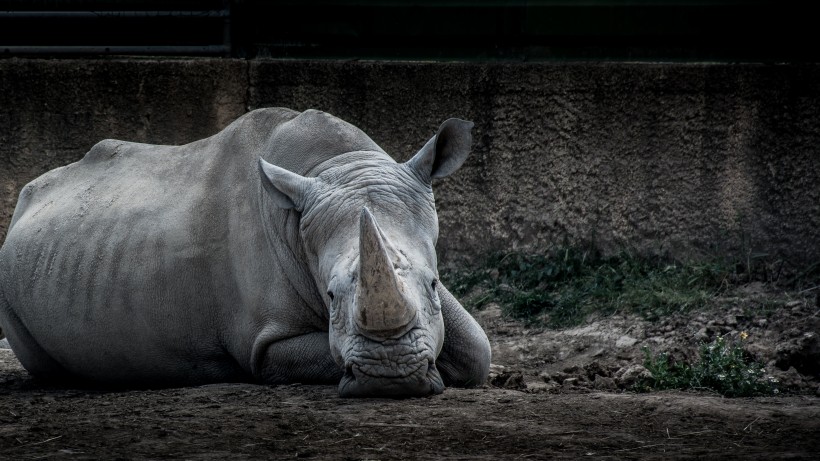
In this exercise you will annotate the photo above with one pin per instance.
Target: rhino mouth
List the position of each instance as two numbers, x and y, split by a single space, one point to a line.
393 368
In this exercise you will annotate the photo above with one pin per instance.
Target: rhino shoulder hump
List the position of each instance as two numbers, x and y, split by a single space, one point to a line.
107 149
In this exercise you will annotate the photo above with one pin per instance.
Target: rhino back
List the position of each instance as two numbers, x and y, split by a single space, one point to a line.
149 261
125 257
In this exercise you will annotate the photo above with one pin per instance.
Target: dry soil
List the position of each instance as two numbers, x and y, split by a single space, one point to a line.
553 395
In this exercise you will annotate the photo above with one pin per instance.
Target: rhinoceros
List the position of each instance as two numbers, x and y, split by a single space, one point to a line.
289 247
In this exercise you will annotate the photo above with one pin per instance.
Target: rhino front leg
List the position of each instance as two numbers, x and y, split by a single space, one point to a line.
465 356
301 359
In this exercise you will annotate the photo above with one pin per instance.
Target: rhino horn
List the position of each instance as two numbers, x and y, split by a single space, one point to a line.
382 309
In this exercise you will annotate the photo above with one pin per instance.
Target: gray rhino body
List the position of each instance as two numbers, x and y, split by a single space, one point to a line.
175 265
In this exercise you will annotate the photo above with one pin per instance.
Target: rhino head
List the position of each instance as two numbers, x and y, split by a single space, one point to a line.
369 229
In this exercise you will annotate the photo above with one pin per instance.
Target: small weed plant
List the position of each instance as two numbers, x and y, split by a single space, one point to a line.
722 366
561 289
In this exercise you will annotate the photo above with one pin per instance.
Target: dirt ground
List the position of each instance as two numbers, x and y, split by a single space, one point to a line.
553 394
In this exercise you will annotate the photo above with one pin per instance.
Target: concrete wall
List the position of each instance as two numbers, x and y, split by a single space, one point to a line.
684 159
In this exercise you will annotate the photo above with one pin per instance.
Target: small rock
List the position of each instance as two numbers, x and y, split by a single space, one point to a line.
509 380
762 351
802 353
625 341
761 322
570 382
791 379
730 320
608 384
624 356
627 376
702 335
540 388
594 369
489 314
752 288
559 377
572 369
522 348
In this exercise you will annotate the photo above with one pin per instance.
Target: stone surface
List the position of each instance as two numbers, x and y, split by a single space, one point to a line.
628 376
801 352
684 159
625 341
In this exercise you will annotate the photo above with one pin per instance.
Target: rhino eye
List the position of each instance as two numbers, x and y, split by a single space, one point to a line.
330 294
433 285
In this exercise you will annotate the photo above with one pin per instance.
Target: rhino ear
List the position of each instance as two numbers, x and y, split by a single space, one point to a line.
446 151
287 189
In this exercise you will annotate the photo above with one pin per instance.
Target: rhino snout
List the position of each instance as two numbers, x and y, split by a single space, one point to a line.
423 379
404 367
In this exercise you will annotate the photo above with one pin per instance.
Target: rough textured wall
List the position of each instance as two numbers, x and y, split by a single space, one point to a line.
685 159
53 111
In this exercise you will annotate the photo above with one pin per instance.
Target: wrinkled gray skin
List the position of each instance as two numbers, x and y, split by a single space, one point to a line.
287 248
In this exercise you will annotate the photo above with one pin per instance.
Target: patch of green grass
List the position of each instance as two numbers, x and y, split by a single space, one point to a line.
561 289
722 367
